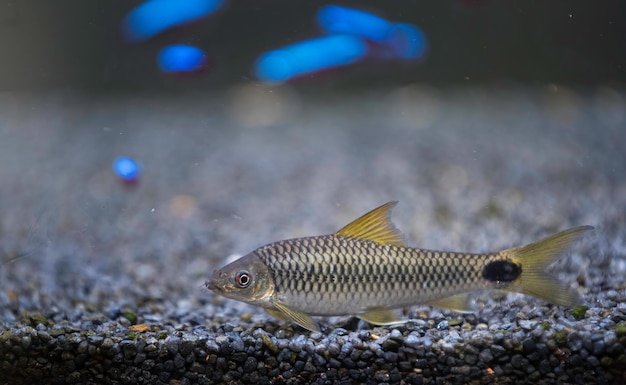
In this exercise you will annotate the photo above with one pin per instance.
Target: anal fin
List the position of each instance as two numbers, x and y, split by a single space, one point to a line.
380 316
301 318
460 303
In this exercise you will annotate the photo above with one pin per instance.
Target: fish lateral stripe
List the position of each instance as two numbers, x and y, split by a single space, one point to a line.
501 271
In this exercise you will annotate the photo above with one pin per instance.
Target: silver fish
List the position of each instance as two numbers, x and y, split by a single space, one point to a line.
365 270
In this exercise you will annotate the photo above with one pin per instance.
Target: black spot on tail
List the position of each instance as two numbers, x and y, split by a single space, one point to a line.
501 271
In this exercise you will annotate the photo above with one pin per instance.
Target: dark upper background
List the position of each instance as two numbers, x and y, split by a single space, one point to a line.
75 44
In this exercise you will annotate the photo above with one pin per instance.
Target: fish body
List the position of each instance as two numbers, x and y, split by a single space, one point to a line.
365 270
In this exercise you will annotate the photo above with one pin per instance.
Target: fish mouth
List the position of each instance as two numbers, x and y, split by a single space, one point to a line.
210 284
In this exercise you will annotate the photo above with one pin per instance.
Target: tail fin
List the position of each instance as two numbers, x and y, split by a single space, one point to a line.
535 257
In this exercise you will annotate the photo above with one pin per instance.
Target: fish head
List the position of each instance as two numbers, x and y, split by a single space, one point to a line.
246 279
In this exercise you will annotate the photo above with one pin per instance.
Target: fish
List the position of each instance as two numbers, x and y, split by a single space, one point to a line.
366 270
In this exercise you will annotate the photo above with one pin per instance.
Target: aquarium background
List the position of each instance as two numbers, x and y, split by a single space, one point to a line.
143 145
79 45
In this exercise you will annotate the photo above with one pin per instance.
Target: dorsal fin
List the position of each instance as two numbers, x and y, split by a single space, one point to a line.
375 226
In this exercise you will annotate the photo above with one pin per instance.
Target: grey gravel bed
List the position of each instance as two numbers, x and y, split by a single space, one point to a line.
101 282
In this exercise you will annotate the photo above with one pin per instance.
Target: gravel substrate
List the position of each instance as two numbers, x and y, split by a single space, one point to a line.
102 282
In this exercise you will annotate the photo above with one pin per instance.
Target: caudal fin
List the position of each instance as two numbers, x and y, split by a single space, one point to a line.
535 257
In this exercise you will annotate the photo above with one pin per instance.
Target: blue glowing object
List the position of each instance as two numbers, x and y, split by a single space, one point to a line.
309 56
336 19
154 16
408 41
181 58
126 168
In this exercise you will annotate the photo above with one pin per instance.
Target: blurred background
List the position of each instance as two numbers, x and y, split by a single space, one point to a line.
80 45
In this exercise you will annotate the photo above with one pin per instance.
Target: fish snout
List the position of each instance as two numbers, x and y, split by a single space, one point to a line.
214 283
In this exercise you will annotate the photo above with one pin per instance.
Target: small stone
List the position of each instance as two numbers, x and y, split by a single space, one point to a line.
333 349
391 357
334 363
339 332
83 346
497 350
529 345
55 332
395 376
250 364
171 343
527 324
390 345
316 336
381 376
544 367
269 344
462 370
349 363
185 348
575 341
238 357
470 359
396 334
412 341
139 358
598 347
107 343
179 361
318 360
448 347
297 343
299 365
212 347
593 361
236 342
129 348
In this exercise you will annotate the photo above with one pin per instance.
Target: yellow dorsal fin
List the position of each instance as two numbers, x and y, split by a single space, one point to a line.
375 226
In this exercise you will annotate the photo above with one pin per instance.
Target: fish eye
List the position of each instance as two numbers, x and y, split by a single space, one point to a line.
243 279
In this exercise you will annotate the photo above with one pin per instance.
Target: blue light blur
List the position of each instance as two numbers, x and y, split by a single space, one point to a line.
126 168
336 19
309 56
154 16
181 58
407 42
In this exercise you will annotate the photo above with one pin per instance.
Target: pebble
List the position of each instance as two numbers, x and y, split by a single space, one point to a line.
527 324
529 345
524 351
485 356
412 341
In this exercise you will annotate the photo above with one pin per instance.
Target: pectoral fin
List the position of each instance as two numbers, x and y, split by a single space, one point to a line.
380 316
297 316
277 314
460 303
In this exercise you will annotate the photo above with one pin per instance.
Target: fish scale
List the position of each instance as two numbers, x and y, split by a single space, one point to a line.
366 270
335 267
